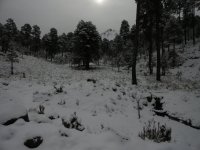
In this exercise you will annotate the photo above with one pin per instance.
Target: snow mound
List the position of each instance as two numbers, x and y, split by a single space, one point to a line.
10 112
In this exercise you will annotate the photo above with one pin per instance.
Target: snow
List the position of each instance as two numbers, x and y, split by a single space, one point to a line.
107 109
10 111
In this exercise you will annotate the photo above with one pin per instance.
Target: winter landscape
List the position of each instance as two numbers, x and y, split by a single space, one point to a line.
132 88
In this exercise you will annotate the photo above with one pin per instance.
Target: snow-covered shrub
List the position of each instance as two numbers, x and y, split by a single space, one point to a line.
158 105
77 102
91 80
150 98
33 142
73 123
58 89
53 116
41 109
64 133
62 102
156 132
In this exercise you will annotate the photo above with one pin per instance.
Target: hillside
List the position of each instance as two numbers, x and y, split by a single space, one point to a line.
104 102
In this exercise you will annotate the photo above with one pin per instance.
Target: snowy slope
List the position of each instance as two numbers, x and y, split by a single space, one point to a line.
107 109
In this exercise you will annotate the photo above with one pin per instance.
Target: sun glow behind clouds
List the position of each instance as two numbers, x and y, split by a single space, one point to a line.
99 1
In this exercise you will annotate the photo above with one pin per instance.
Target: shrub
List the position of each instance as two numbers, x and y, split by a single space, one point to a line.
159 133
34 142
41 109
73 123
58 89
158 105
62 102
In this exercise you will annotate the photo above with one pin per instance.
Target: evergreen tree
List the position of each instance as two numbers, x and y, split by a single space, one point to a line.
118 46
105 47
8 34
53 36
46 44
1 33
62 43
70 37
26 35
86 42
35 38
124 30
174 34
10 29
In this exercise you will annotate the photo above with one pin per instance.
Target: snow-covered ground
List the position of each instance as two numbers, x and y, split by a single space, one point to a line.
106 108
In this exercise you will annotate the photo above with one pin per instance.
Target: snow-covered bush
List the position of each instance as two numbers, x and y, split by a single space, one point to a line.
158 105
41 109
73 123
156 132
33 142
58 89
62 102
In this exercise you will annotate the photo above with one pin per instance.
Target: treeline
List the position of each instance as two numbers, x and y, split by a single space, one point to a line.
160 25
79 47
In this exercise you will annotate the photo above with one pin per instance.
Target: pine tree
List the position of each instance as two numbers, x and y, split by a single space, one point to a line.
174 34
105 47
35 44
118 46
62 43
53 36
124 30
70 38
26 35
1 33
11 29
8 31
46 44
86 42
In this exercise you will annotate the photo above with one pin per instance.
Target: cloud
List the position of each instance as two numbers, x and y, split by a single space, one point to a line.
65 14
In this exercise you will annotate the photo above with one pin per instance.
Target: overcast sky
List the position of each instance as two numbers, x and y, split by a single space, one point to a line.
65 14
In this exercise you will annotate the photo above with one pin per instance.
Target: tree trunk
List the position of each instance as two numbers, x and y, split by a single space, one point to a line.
134 76
185 23
150 47
163 54
168 48
158 15
51 57
188 34
62 53
46 55
185 34
193 25
87 64
174 53
11 67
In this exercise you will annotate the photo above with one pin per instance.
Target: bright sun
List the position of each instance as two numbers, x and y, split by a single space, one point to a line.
100 1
